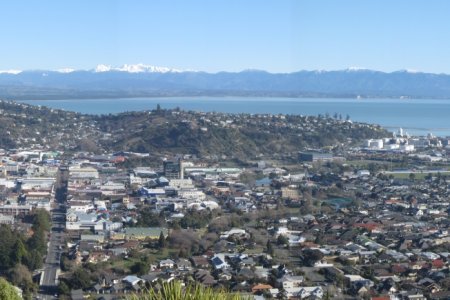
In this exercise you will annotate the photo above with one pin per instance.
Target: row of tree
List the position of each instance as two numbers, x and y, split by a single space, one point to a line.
19 254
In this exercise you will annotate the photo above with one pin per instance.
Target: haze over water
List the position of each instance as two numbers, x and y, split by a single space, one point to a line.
416 116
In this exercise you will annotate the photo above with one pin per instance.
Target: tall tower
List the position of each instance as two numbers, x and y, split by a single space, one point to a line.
181 168
173 169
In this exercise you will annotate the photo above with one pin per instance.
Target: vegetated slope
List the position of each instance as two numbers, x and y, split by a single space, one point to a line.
239 135
175 131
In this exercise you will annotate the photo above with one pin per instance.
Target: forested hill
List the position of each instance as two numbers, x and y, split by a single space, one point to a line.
175 131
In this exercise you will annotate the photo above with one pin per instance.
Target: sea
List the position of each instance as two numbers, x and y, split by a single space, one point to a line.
414 116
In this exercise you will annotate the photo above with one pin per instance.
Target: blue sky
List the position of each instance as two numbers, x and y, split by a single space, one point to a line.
230 35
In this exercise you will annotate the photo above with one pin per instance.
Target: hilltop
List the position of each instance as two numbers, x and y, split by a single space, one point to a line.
175 131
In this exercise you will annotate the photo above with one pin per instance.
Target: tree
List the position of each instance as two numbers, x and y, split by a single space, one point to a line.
269 248
161 241
80 279
19 251
140 268
21 276
41 220
306 207
89 145
196 219
7 291
37 241
282 240
183 239
33 260
310 257
148 218
6 247
183 253
63 288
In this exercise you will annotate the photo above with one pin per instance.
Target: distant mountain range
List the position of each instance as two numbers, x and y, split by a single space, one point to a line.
150 81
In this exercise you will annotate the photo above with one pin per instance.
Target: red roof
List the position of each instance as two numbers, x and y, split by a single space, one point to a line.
399 268
260 287
119 159
368 226
438 263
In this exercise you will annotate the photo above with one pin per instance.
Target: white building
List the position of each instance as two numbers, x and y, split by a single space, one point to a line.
37 183
407 148
192 194
234 231
181 183
362 173
375 144
77 172
289 281
391 147
420 142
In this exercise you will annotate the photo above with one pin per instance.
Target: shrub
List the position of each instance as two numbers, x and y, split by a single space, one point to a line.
175 291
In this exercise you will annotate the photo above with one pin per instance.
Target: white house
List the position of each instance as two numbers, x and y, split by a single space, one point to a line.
219 262
166 263
234 231
289 281
315 292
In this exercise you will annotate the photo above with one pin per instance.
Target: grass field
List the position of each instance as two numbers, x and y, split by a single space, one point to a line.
417 176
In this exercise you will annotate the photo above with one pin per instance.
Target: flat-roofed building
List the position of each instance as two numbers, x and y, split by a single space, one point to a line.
15 209
314 156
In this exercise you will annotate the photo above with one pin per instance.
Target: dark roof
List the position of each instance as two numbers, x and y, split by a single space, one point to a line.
440 295
77 295
199 261
151 276
216 261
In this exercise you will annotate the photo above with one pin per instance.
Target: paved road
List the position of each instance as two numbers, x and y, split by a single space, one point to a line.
49 277
54 251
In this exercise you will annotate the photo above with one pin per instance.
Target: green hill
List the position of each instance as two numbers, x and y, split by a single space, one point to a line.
175 131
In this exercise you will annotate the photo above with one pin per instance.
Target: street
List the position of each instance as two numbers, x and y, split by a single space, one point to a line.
49 278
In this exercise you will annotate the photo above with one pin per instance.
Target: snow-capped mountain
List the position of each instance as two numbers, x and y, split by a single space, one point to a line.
14 72
142 80
66 70
137 68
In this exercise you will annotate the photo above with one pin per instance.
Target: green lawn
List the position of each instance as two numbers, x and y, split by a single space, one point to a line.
155 255
365 162
418 176
124 264
256 250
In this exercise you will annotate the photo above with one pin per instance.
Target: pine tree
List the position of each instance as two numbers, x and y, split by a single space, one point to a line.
269 248
19 251
161 241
